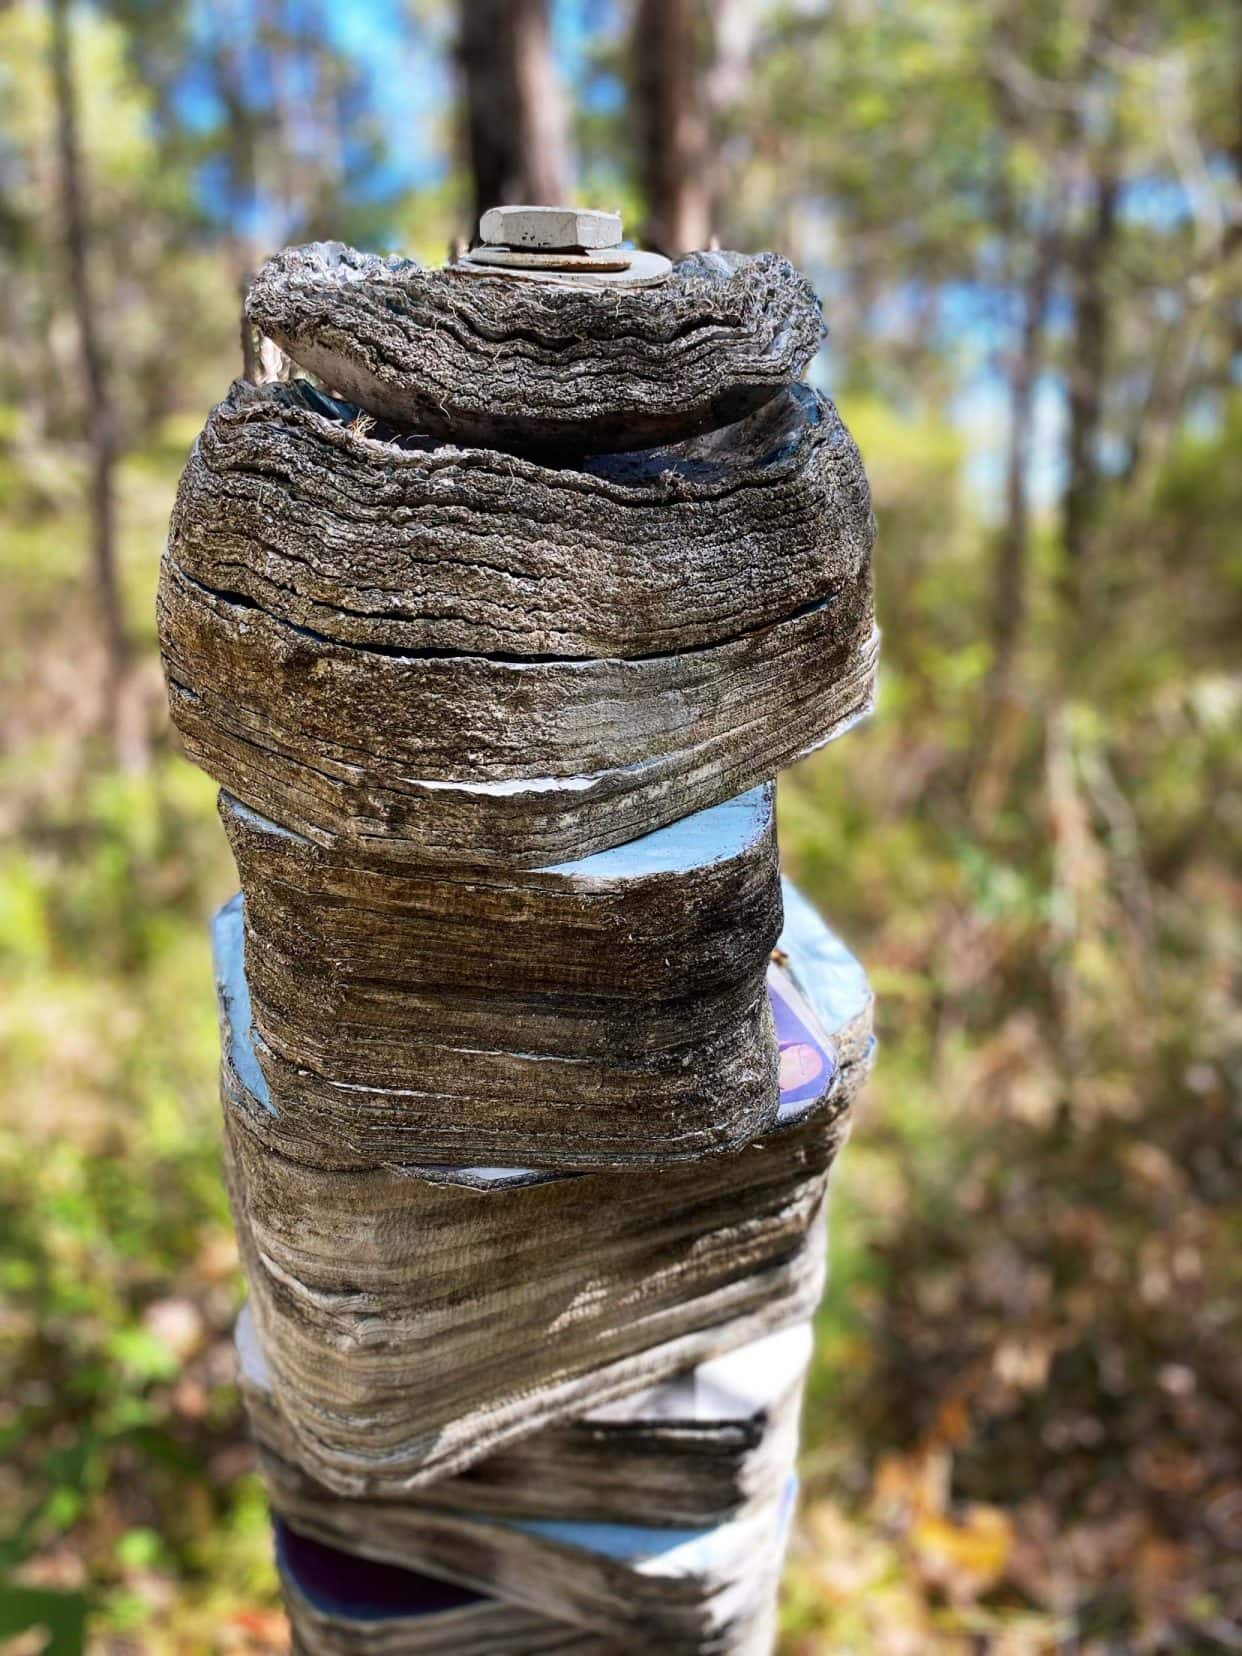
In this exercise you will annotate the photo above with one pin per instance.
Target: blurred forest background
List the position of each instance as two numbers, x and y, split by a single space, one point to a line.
1026 223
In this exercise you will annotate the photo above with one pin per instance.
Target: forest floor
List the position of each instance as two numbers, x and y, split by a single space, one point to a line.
1021 1431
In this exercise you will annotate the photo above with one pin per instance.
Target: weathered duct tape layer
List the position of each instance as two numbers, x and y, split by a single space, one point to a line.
695 906
291 501
487 359
689 1452
354 1280
607 1010
834 984
690 1592
471 760
355 1272
342 1605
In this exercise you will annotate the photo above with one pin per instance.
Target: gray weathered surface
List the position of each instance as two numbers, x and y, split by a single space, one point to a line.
290 502
693 908
607 1010
481 1626
547 568
356 1276
486 1628
354 1272
488 359
444 654
478 760
391 1092
689 1451
687 1592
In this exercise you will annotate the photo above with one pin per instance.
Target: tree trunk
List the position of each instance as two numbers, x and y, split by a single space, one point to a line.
673 146
1002 716
1088 363
101 422
516 129
242 186
1010 601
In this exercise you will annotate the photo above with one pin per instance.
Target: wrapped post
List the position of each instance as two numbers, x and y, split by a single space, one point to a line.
495 622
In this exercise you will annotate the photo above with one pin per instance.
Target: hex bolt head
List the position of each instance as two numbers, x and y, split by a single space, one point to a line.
550 229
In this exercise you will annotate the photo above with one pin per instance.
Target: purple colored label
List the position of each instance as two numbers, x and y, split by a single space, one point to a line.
361 1589
807 1057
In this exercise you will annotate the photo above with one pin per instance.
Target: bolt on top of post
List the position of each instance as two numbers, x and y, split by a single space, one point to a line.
580 244
550 229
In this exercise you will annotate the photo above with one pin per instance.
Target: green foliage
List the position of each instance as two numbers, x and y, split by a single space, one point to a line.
59 1618
128 1473
1024 1353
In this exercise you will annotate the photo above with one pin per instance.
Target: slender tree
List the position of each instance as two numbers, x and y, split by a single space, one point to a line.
516 128
670 107
1088 366
999 730
100 412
